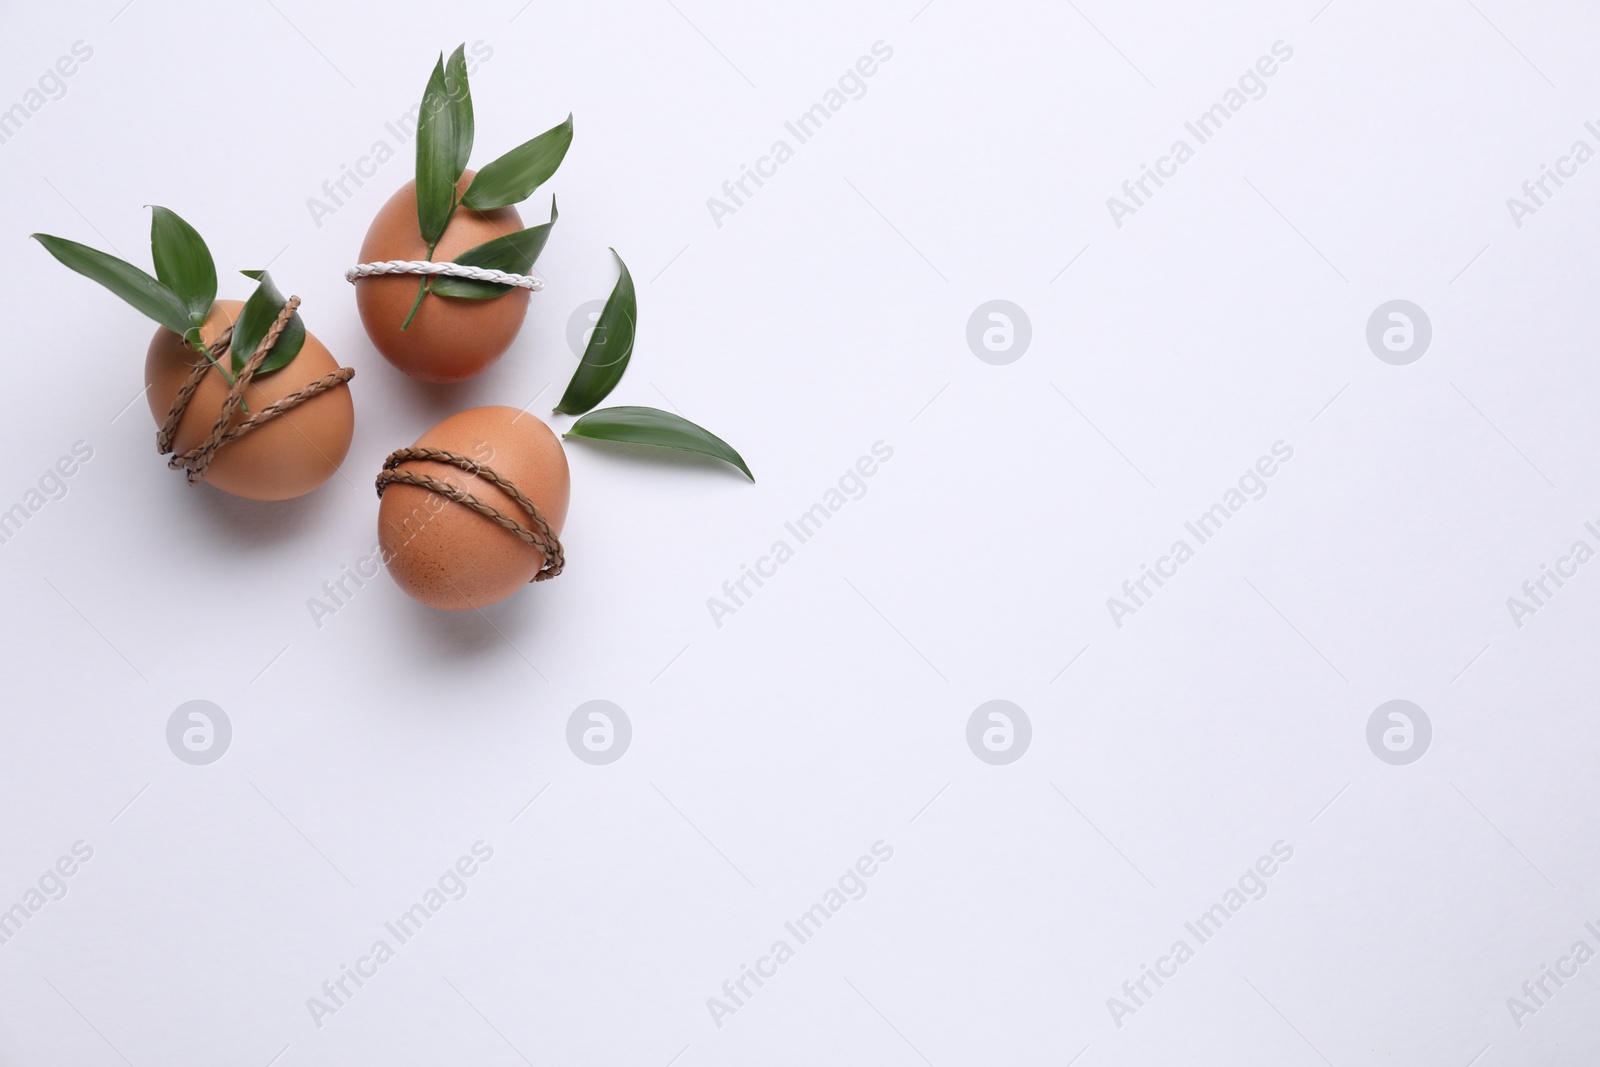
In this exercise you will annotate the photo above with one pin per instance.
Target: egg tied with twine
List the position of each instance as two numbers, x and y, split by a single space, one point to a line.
197 460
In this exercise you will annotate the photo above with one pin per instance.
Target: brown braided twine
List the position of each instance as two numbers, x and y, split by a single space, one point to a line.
541 537
195 461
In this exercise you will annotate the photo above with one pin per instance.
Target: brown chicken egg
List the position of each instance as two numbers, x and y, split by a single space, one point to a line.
287 456
440 550
451 338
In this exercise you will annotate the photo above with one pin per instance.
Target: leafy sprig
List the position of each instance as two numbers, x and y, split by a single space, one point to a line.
445 131
184 289
605 358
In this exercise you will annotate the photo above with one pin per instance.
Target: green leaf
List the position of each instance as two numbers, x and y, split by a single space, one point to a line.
460 94
183 262
652 426
606 355
513 177
514 253
256 319
146 295
438 147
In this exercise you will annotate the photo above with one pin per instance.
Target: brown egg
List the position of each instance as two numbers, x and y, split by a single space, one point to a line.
451 338
288 456
445 554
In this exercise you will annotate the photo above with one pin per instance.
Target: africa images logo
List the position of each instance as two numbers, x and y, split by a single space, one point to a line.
199 732
599 732
1399 732
1251 485
999 732
1251 85
851 885
1250 886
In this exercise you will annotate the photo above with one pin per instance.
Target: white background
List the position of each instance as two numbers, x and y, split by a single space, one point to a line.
828 313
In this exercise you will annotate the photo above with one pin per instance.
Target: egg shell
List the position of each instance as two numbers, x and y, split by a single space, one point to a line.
287 456
445 554
451 338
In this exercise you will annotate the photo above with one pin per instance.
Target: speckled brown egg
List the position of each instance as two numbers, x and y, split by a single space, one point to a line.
451 338
288 456
443 553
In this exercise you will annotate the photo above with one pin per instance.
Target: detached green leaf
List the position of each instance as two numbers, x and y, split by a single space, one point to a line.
652 426
513 177
606 355
183 262
146 295
514 253
460 94
256 319
438 148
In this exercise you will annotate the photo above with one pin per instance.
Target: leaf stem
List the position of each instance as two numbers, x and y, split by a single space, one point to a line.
427 282
204 351
422 290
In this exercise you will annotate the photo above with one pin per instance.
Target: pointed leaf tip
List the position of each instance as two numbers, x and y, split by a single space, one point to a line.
442 140
610 346
255 320
661 429
183 262
513 177
514 253
139 290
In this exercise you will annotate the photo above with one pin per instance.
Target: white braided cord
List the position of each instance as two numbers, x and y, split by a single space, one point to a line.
454 270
